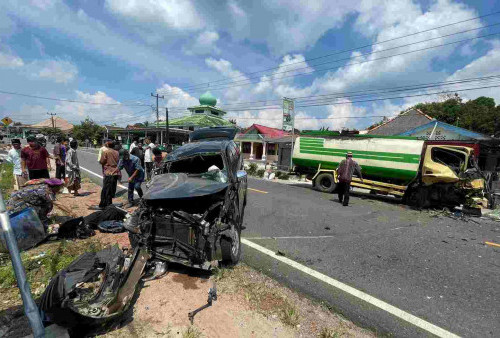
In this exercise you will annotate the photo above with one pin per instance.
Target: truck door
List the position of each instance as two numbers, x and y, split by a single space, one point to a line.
443 164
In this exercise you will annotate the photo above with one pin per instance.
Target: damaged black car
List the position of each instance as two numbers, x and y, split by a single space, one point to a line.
192 212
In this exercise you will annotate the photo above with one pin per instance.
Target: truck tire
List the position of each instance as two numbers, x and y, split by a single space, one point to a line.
325 183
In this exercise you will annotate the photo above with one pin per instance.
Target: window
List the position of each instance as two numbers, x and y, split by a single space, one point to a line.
271 148
199 111
454 160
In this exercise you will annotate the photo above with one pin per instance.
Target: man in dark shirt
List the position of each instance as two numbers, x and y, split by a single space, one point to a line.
132 166
109 160
345 170
60 157
35 160
138 151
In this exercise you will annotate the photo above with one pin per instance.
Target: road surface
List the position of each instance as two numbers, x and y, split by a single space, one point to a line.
435 268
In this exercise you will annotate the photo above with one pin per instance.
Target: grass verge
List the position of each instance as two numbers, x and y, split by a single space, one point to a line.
6 179
267 300
40 264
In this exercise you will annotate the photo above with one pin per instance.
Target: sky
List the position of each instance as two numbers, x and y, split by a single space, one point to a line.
330 56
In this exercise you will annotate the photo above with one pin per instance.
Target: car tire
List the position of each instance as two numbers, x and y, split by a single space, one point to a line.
325 183
231 248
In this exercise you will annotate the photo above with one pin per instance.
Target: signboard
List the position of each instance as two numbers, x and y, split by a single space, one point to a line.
6 121
288 115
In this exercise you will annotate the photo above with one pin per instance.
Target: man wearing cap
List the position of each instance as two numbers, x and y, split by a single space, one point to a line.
132 165
35 160
14 157
109 160
345 170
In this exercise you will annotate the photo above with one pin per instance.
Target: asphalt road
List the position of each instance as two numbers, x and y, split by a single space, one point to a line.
431 266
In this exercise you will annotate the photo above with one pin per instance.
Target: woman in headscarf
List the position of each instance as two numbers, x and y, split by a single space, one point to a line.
72 169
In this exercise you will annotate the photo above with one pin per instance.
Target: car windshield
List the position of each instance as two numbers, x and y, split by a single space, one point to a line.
207 165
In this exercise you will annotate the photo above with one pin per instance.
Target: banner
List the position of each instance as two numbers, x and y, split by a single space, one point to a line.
288 114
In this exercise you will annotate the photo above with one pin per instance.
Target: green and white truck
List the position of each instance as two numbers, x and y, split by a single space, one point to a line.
421 173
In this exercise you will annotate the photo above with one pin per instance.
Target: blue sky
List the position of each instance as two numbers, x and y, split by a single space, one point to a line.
115 53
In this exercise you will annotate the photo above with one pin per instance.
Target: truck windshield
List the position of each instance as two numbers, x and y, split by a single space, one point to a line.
452 159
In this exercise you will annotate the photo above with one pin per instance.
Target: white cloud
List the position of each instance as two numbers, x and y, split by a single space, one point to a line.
175 97
9 60
178 14
100 112
486 65
204 44
58 71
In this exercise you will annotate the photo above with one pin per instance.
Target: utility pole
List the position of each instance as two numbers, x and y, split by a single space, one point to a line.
157 113
166 126
53 123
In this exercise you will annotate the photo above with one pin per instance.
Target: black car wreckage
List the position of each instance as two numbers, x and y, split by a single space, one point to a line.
192 214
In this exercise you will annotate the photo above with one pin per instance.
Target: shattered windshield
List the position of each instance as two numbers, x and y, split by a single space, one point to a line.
208 165
452 159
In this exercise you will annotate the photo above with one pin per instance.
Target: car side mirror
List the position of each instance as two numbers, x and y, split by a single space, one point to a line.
241 174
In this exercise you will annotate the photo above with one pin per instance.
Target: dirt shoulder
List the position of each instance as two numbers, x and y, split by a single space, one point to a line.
249 303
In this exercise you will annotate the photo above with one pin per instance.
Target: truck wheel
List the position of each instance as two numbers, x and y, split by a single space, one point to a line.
231 248
325 183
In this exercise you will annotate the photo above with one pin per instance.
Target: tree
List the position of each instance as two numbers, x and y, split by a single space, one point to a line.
51 132
479 115
88 129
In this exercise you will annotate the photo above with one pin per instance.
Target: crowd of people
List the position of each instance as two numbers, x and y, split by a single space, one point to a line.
34 162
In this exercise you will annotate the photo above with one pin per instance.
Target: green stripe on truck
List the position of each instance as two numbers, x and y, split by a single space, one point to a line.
370 155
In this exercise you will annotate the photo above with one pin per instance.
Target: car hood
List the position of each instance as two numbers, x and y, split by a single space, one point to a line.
181 186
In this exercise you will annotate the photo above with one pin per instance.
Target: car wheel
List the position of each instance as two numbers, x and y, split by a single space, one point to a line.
325 183
231 248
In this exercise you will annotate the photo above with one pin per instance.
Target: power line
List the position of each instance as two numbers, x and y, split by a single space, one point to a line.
354 48
249 82
72 101
366 92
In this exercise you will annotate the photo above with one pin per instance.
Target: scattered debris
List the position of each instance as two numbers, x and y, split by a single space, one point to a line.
280 253
212 296
28 230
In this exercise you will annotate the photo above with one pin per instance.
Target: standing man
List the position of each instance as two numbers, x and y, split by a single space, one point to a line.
59 153
14 157
132 165
345 170
99 155
133 145
148 157
35 160
139 152
109 160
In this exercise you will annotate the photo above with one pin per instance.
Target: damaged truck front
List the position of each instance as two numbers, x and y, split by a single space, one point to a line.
192 214
423 174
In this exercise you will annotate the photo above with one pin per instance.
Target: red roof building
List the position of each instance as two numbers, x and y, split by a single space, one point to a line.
259 142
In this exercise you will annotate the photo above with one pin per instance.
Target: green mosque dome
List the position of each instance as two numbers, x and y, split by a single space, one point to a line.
208 99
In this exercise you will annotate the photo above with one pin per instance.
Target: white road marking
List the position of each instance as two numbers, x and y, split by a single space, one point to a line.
291 237
100 176
414 320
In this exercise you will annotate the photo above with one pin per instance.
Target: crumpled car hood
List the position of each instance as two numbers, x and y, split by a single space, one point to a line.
181 186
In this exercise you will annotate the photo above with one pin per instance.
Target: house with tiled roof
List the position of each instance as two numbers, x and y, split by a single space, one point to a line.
259 142
405 121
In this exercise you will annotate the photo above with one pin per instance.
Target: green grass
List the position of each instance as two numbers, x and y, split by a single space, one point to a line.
6 179
192 332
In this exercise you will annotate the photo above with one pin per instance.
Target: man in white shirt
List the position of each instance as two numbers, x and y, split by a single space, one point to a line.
148 158
132 146
14 157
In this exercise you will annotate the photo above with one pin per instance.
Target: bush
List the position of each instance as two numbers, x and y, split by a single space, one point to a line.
278 174
252 169
284 176
260 173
